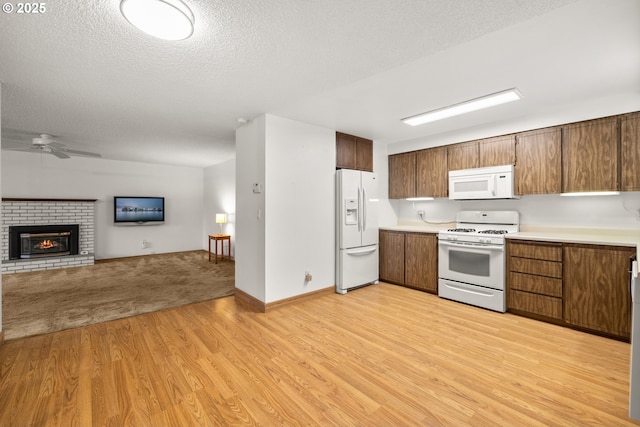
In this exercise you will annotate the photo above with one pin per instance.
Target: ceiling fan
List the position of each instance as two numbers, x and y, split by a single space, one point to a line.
43 143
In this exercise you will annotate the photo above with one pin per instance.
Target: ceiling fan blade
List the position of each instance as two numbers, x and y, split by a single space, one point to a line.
82 153
23 148
19 135
59 154
56 144
7 144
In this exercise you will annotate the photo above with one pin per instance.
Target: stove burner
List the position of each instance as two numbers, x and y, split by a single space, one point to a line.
493 232
463 230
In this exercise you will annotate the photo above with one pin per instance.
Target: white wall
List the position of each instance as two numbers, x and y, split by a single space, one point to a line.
540 210
387 215
300 207
1 328
250 209
289 228
219 197
43 176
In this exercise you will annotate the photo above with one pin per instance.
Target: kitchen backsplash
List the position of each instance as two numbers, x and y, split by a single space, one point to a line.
620 211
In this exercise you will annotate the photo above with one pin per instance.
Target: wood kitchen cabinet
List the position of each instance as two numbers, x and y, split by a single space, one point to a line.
538 168
402 175
409 259
590 156
597 288
431 172
421 261
534 279
630 152
495 151
391 253
353 152
462 156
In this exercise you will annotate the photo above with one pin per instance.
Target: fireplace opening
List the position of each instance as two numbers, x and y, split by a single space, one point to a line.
26 242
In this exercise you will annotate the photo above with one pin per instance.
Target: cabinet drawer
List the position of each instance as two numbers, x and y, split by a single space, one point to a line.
535 266
537 304
537 284
529 250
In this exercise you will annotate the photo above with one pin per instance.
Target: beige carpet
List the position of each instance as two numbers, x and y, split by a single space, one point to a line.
46 301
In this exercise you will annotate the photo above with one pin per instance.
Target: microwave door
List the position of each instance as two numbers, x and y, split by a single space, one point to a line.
473 187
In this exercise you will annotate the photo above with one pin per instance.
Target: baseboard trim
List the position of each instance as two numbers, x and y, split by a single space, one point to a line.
249 300
262 307
298 298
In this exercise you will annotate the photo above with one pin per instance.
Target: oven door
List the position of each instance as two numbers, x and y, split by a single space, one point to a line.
481 265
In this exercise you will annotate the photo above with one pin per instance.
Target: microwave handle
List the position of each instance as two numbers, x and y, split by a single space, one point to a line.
492 184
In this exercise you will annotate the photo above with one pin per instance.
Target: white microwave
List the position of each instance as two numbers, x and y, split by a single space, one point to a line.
494 182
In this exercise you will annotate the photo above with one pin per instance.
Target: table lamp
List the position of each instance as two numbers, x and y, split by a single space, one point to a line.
221 218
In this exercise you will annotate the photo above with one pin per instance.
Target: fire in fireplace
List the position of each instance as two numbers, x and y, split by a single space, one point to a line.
35 245
43 241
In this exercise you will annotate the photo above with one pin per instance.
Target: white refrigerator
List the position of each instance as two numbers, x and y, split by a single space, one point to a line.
356 229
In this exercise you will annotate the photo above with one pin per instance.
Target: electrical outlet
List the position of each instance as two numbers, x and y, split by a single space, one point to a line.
420 213
144 244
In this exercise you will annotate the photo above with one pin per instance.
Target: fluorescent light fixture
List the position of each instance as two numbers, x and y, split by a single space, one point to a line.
164 19
418 199
592 193
465 107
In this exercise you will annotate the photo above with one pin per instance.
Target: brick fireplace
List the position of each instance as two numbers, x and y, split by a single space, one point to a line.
57 233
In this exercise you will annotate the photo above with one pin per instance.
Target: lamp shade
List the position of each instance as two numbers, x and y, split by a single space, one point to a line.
221 218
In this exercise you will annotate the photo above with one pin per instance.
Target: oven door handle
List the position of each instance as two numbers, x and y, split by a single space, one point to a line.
471 245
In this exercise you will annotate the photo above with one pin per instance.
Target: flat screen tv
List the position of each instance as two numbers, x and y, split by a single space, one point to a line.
138 209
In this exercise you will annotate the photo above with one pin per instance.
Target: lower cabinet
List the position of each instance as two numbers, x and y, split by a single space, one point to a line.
421 261
535 279
597 286
582 286
391 253
409 259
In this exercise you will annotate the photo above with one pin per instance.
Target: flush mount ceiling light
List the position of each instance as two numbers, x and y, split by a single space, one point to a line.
164 19
465 107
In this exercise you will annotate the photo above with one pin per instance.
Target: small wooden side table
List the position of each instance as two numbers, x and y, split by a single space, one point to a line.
220 238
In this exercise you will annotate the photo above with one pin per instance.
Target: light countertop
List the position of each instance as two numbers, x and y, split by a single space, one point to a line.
417 228
586 235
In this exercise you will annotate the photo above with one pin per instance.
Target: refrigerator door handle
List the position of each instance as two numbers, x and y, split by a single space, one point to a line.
359 211
364 208
361 251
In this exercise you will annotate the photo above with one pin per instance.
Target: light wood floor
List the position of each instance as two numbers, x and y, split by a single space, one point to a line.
379 356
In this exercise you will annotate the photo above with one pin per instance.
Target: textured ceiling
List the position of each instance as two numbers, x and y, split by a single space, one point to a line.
81 72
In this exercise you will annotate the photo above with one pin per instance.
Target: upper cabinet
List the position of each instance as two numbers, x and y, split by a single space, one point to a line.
630 152
496 151
593 155
402 175
431 172
353 152
538 166
462 156
590 156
